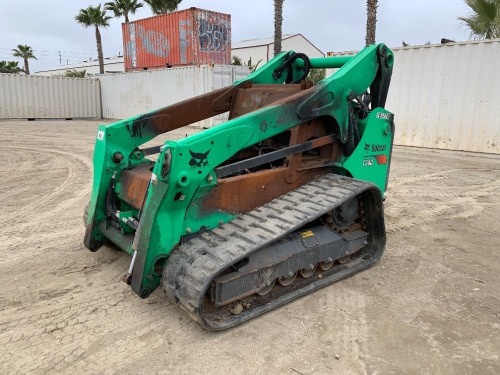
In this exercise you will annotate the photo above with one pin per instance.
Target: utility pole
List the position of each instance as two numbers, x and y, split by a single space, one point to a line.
60 59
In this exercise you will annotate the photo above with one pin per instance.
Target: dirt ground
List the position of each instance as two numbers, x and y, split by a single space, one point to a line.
430 306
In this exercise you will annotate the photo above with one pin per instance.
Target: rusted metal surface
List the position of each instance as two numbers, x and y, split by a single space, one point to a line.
214 103
134 184
298 163
245 192
188 37
181 114
146 90
272 156
252 97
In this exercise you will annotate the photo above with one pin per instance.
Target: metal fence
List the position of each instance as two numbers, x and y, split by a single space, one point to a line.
128 94
445 96
48 97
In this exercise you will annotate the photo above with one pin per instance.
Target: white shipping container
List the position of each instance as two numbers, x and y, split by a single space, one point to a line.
445 96
225 75
129 94
39 97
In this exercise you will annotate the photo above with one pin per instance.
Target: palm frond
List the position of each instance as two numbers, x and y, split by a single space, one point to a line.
163 6
93 16
484 20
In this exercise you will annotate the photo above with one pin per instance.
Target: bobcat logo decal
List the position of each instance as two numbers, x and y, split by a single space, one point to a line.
367 146
198 160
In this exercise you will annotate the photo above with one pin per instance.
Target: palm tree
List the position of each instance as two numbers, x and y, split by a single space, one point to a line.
371 21
484 21
278 22
73 73
9 67
123 7
95 16
3 67
316 75
163 6
25 52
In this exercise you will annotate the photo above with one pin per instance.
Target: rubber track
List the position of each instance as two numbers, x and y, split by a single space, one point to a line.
192 267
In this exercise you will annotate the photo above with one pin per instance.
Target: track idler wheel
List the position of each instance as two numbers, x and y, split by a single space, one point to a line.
344 260
345 214
307 272
285 281
325 266
265 290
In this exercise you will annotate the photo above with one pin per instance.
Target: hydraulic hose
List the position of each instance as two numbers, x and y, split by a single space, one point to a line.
288 65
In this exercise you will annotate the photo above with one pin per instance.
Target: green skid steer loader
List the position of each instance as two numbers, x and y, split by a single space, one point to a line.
282 199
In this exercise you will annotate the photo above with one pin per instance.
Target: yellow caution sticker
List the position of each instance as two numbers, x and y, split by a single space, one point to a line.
307 233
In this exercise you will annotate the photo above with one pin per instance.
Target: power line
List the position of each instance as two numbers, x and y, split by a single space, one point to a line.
12 58
55 56
54 52
44 55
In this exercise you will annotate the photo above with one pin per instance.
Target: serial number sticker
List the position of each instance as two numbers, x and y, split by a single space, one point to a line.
100 135
367 162
307 233
384 116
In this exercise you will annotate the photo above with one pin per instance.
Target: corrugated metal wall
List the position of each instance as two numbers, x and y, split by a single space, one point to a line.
225 75
129 94
443 96
222 76
446 96
48 97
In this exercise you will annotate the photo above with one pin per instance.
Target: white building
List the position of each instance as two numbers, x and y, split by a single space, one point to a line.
263 49
256 49
111 65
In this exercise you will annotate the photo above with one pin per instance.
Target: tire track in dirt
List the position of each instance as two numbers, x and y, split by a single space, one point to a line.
63 310
423 206
66 163
22 246
25 187
342 337
75 182
351 336
77 338
31 218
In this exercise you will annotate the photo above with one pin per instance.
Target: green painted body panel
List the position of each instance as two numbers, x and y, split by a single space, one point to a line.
172 205
334 62
370 160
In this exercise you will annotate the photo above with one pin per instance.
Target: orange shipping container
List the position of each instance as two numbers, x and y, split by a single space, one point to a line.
187 37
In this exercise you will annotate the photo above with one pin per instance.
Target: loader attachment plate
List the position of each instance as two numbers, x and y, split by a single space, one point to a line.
134 184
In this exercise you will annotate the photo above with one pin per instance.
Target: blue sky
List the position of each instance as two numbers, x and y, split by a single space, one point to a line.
48 26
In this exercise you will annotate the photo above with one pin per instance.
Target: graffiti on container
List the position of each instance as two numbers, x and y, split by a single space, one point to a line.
213 36
153 42
184 27
131 45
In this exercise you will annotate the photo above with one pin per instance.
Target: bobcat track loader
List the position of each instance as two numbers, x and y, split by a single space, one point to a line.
282 199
